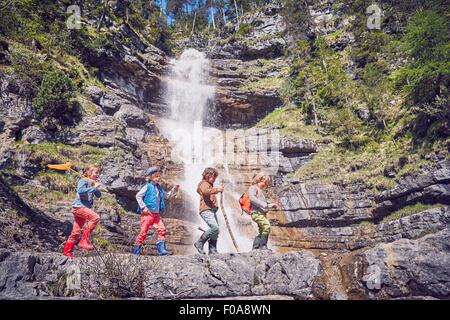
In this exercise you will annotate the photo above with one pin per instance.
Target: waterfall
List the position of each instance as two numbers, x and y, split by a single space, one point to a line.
188 95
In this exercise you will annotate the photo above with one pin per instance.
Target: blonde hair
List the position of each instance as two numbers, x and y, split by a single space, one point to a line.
89 168
210 172
260 176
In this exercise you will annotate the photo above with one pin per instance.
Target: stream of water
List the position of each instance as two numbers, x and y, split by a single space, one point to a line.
190 95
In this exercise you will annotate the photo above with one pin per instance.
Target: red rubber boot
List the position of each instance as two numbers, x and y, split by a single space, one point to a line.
84 242
68 249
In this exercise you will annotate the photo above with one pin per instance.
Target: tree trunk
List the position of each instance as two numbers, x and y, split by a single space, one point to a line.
237 13
316 122
212 15
193 23
103 16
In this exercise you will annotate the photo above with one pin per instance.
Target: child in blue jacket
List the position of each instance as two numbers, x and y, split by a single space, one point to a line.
151 204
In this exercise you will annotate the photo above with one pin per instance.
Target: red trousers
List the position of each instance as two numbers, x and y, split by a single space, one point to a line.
81 215
151 220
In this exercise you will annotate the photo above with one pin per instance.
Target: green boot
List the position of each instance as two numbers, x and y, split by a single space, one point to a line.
212 246
200 243
263 242
257 242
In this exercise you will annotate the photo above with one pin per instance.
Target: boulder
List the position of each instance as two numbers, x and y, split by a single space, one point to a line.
132 116
430 187
408 268
34 134
99 131
124 174
95 93
323 204
27 275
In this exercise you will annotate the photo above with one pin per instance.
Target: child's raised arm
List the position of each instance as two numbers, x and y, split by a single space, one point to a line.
83 187
206 189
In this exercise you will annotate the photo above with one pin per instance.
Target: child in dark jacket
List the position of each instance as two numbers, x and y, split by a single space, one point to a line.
87 189
151 205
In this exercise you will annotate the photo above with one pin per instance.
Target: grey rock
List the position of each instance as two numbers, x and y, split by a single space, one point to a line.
124 174
410 267
410 227
195 276
100 131
27 275
270 48
15 106
323 205
34 134
132 116
111 103
136 135
363 113
95 93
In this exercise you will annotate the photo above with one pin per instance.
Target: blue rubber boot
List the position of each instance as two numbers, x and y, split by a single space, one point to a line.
136 249
162 251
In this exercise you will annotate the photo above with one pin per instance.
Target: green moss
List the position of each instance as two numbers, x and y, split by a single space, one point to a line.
366 224
409 210
54 152
102 243
333 163
56 181
37 197
244 29
268 83
290 121
88 108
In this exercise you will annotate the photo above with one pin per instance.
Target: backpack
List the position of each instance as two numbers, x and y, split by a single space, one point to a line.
245 203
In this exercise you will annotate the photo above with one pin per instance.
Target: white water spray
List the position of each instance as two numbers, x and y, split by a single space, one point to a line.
188 96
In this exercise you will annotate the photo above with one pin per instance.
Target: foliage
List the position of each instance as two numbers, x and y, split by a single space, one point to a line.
426 78
427 43
244 29
55 97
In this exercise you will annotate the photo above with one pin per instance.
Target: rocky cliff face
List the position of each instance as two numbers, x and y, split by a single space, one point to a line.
332 240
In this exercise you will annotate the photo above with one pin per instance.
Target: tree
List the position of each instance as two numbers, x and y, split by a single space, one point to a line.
55 97
426 42
426 79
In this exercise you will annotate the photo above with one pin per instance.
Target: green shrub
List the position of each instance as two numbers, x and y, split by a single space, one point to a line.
348 128
29 66
244 29
427 42
55 98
